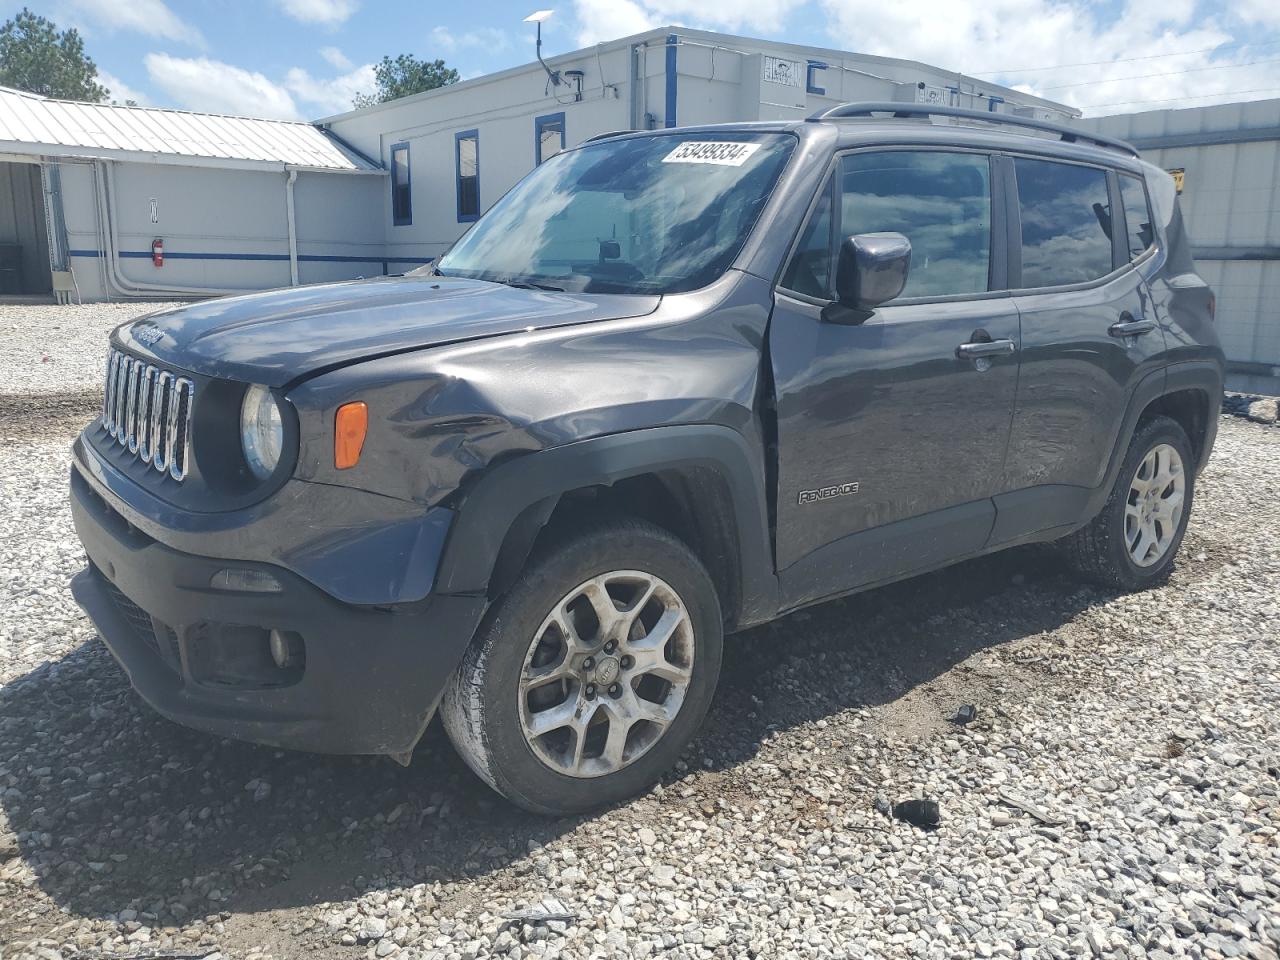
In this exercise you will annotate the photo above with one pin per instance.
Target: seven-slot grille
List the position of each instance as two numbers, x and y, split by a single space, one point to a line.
147 410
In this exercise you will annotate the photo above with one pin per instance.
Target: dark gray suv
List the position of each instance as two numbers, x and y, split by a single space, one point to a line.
673 384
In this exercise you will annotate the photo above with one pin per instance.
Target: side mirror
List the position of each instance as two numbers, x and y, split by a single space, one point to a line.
872 269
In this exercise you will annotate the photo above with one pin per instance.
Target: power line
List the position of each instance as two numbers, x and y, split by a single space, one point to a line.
1202 96
1102 63
1170 73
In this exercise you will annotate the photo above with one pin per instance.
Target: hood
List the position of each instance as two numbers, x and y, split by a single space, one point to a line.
280 336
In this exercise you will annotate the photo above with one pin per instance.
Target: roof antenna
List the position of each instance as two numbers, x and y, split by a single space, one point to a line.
537 17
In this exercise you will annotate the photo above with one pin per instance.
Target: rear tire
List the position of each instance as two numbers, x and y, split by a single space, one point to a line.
1131 544
588 679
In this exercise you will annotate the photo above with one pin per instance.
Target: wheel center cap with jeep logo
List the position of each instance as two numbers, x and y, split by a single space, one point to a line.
607 671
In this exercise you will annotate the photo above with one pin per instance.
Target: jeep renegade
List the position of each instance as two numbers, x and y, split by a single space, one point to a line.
675 383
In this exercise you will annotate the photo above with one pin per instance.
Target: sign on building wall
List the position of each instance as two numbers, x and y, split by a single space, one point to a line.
1179 175
777 70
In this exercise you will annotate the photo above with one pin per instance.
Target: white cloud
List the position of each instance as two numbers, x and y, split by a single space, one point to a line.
490 39
601 20
1016 37
121 91
753 16
336 58
150 17
214 87
1264 12
318 11
332 95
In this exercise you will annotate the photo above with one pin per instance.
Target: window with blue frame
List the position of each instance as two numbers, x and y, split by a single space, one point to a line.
811 77
467 157
548 136
401 194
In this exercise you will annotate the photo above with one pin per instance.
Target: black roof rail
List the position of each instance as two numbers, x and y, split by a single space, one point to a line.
610 135
902 111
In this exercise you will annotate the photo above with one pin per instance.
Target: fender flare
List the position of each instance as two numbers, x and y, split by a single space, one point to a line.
1204 375
534 483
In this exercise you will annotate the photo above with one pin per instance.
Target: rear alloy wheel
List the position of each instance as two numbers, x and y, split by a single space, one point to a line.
588 679
1132 542
1153 508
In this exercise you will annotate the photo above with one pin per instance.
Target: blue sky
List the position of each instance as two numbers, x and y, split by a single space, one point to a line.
304 59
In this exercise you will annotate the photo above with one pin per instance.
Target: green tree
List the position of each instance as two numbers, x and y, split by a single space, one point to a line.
35 57
404 76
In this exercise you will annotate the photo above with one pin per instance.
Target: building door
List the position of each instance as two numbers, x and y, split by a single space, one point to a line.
24 240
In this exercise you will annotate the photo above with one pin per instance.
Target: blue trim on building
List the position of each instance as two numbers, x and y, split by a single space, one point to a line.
672 41
538 124
257 257
406 220
457 173
810 82
993 102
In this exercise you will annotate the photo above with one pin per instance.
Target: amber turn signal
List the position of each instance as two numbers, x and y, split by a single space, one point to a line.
349 427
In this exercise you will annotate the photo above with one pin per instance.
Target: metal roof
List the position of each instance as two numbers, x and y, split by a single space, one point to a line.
31 124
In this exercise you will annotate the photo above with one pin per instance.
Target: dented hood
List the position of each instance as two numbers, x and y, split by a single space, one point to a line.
281 336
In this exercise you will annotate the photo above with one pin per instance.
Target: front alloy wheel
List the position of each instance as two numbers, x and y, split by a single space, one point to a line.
606 673
591 675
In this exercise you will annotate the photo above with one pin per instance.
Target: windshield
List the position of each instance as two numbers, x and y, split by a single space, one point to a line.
659 214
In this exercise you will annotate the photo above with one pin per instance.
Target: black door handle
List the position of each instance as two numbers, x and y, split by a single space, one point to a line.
984 348
1129 327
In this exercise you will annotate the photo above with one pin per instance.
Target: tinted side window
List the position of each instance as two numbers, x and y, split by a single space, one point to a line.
809 271
941 202
1066 222
1138 216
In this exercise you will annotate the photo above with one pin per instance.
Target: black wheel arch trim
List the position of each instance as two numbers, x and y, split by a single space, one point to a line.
1203 375
518 496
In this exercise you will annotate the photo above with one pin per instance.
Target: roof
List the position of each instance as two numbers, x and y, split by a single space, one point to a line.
31 124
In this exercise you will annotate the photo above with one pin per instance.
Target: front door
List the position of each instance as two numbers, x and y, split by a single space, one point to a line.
892 428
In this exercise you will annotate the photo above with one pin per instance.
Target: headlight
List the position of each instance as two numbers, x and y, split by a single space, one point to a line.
261 431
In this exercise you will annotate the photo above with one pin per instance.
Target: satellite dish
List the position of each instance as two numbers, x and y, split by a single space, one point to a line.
537 17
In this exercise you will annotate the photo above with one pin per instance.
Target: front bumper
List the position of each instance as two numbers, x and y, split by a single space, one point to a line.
371 676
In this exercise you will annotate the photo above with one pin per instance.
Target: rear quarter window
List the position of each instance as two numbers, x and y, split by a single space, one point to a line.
1137 215
1066 222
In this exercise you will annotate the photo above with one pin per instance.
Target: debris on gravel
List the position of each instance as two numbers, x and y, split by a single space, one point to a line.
1258 409
1115 796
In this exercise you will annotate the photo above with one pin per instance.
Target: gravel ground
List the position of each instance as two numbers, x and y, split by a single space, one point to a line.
1142 730
54 349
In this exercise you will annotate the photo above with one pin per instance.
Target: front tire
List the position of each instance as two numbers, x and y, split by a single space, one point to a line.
592 674
1131 544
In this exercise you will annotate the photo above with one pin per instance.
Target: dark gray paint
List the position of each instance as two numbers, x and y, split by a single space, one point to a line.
488 404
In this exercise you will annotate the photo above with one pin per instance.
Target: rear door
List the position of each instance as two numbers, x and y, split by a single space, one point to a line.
891 431
1088 336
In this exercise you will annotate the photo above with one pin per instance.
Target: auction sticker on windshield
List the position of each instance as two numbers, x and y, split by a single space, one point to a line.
721 153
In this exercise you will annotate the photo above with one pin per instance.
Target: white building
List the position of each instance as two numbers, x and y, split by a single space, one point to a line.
452 152
1229 158
93 197
237 204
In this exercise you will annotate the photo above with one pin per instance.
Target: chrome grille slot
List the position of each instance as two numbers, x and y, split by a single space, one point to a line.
147 410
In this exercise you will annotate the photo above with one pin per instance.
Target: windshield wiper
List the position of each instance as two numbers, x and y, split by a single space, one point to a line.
531 285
